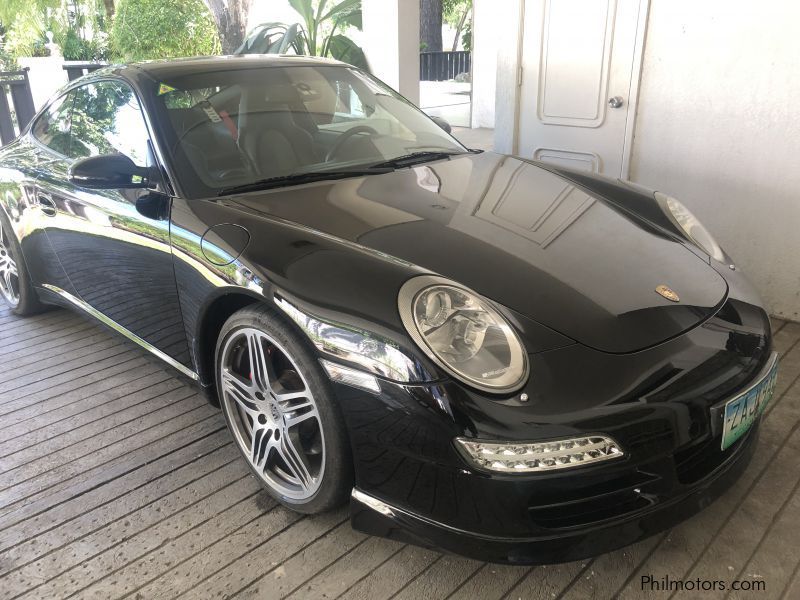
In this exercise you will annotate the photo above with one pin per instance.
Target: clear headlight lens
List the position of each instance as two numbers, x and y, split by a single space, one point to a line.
694 229
462 333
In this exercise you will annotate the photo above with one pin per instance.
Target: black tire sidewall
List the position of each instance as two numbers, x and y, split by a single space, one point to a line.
29 303
337 480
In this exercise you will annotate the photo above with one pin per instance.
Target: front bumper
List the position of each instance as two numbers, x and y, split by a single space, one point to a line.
373 516
662 406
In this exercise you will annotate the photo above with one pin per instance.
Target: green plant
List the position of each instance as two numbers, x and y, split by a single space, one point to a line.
7 60
78 27
149 29
321 32
458 14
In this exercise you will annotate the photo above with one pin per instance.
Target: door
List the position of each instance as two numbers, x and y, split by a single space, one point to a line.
45 152
580 71
114 244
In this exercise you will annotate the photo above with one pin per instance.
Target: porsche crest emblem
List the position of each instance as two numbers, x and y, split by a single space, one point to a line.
668 293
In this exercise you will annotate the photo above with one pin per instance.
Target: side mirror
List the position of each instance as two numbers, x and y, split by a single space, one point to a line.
108 171
441 123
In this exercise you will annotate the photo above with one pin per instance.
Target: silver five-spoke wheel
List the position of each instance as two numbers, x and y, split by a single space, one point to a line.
9 275
272 413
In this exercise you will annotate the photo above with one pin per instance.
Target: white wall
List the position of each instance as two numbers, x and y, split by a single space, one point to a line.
718 127
46 74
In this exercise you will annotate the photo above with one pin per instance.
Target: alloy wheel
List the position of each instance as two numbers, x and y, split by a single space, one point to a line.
9 275
272 413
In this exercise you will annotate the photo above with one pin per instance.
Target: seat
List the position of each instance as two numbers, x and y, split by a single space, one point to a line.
268 133
209 146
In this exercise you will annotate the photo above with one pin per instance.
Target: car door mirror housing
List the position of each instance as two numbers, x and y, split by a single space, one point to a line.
109 171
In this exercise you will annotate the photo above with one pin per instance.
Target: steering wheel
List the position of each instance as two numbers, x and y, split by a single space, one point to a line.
337 146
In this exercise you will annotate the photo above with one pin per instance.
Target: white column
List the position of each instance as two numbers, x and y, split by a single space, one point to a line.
487 26
391 43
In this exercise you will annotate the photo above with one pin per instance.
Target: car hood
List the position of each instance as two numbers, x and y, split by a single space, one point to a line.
522 235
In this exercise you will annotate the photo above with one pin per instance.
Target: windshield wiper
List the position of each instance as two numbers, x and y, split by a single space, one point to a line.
298 179
415 158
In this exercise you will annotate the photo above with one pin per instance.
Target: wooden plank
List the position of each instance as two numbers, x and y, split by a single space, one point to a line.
32 380
781 539
440 579
347 570
35 342
30 420
20 484
314 557
127 420
120 569
554 581
49 321
60 344
113 497
85 481
251 574
105 528
390 577
491 581
76 373
14 412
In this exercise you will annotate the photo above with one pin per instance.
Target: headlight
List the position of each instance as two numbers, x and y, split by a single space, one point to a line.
688 223
463 334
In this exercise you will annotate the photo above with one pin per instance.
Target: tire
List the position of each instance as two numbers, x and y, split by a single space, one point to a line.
16 289
282 414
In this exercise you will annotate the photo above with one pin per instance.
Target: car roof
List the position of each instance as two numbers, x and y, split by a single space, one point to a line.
185 66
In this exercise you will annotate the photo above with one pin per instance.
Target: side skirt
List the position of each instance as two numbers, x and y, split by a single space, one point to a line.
70 300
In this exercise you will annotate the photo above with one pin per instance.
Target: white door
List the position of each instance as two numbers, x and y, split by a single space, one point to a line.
580 64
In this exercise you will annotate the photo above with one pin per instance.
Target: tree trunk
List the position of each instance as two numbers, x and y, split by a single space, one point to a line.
231 19
460 27
109 6
430 25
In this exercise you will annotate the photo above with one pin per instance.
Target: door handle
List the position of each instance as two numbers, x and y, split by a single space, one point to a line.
615 101
47 205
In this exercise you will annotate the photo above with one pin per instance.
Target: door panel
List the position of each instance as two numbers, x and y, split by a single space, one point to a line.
575 98
118 259
42 153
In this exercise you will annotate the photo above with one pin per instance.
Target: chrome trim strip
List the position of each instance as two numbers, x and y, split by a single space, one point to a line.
394 512
120 329
373 503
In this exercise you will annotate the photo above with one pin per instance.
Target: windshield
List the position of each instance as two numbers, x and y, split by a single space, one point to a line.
231 128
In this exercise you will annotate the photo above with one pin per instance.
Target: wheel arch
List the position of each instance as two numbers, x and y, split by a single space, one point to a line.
210 323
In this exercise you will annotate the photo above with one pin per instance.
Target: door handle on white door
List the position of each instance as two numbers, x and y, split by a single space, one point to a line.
615 101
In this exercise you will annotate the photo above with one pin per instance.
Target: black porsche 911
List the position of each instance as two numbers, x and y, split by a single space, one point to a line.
494 356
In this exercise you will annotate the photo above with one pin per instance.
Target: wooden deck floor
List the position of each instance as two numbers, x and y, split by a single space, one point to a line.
117 480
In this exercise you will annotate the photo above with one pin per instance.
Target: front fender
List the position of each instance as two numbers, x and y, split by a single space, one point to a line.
341 296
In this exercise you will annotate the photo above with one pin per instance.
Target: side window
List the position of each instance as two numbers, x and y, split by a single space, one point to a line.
107 119
52 126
